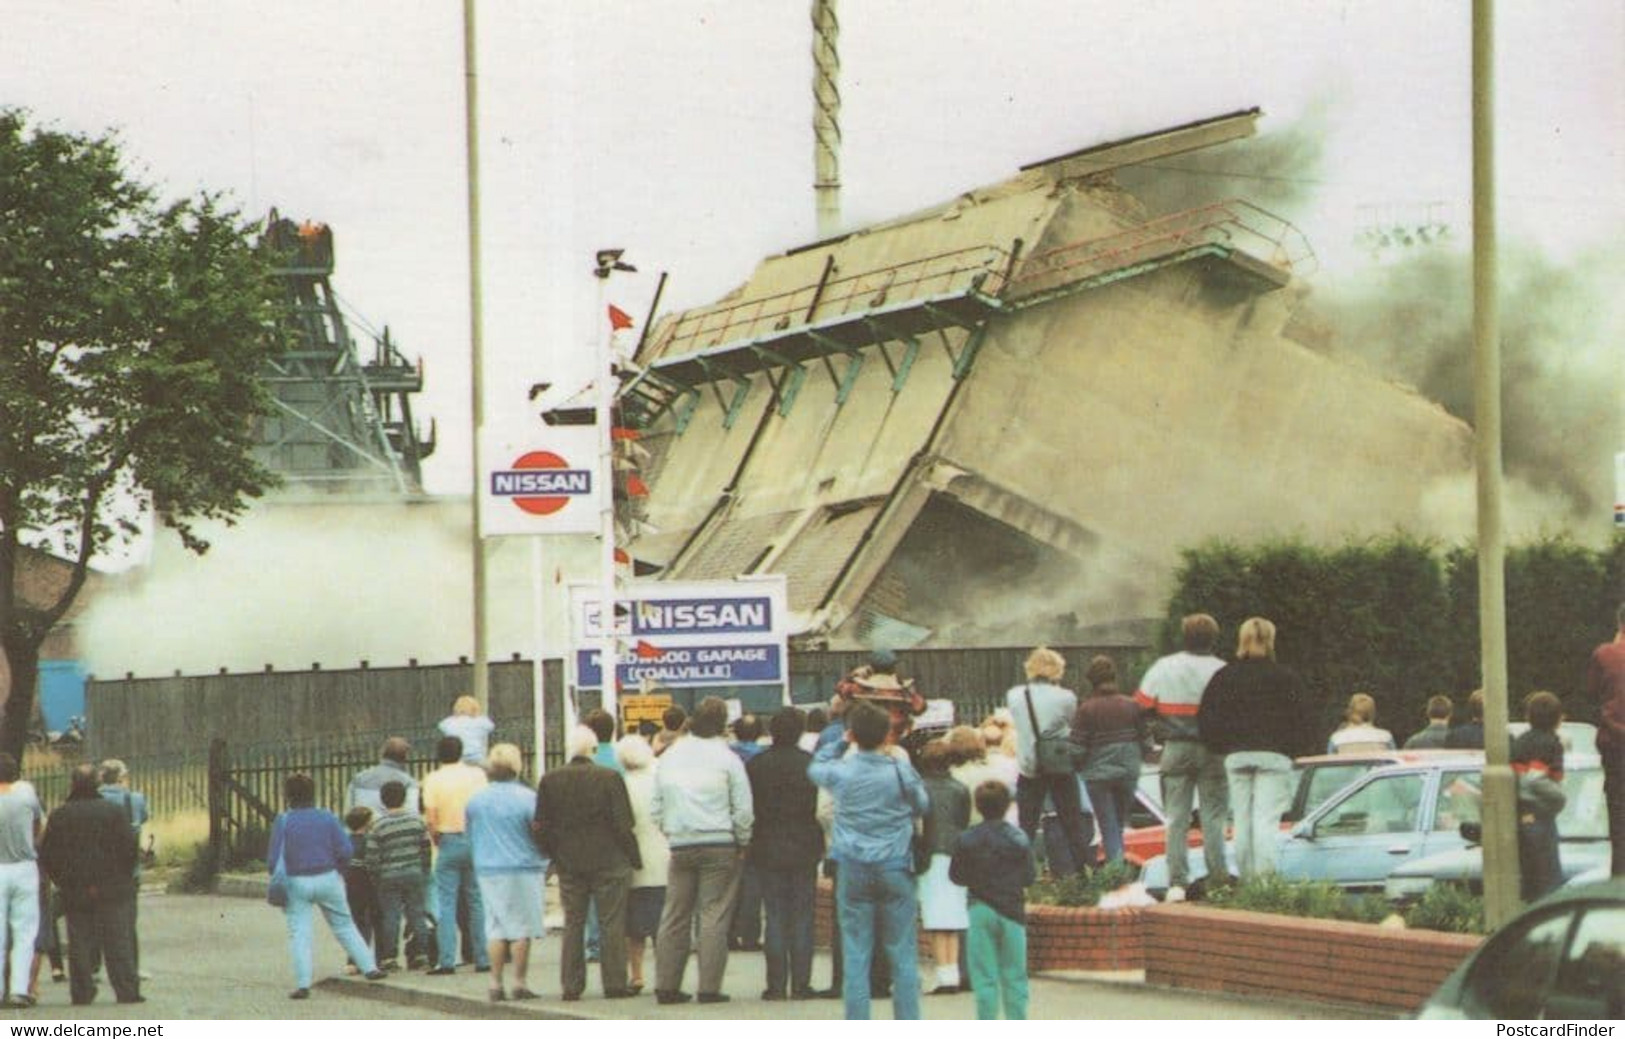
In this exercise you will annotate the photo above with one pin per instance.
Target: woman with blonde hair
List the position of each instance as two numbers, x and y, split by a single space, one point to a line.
1041 712
1359 731
1252 714
469 724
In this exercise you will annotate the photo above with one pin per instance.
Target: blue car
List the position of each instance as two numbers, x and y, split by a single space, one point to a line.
1383 819
1582 831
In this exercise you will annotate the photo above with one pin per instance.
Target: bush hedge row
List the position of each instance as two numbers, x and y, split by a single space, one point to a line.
1397 617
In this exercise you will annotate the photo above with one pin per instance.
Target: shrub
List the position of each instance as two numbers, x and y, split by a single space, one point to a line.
1448 907
1084 888
1397 618
1317 900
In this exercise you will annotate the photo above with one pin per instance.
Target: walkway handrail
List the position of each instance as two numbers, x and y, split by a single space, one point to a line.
956 273
1233 224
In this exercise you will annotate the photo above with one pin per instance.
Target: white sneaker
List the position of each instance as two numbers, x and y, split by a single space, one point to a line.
1175 894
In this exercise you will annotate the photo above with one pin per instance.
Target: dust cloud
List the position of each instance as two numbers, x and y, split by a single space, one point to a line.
302 583
1563 394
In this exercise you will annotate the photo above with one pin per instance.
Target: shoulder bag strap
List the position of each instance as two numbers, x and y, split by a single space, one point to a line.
1037 732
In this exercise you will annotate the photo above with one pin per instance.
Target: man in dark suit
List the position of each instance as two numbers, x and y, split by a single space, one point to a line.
785 848
584 824
89 851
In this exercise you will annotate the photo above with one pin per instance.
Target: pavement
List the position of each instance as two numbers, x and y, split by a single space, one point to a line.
1057 995
224 956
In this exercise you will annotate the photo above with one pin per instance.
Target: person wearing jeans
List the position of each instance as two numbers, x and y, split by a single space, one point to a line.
1110 730
310 845
877 796
445 803
20 818
1252 713
1260 792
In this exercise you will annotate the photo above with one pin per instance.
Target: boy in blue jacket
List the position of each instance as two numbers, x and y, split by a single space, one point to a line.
994 861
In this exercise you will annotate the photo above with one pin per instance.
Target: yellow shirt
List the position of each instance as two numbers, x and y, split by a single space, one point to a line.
446 791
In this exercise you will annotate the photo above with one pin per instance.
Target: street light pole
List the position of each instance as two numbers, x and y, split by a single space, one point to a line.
471 101
1500 820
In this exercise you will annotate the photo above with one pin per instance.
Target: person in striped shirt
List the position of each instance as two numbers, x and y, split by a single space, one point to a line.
397 855
1172 690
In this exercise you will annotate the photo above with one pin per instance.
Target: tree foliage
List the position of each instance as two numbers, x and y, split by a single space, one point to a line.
1398 617
132 334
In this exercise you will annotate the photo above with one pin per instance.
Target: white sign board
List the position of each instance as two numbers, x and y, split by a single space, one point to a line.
547 484
687 634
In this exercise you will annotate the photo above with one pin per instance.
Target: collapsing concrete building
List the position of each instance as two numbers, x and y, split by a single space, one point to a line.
1000 419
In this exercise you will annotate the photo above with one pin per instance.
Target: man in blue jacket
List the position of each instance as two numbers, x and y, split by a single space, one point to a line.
877 798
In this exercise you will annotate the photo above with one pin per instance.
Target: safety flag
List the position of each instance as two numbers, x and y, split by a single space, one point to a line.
645 651
618 318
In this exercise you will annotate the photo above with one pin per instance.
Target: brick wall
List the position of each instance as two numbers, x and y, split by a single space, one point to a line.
1291 957
1060 938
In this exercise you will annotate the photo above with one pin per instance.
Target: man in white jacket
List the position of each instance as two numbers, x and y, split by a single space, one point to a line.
702 803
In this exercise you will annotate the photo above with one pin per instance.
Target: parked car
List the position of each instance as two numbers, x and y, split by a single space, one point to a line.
1146 833
1391 814
1563 957
1582 829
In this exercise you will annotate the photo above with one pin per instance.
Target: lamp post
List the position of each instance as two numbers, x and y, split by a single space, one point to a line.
471 99
1501 879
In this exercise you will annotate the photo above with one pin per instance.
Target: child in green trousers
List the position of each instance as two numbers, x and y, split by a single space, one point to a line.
994 862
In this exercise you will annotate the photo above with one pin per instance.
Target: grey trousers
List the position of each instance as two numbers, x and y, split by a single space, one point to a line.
702 882
1188 768
578 891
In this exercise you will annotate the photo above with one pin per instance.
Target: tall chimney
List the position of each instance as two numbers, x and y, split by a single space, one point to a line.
826 118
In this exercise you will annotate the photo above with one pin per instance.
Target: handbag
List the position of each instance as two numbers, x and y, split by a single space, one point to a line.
919 844
1055 754
276 892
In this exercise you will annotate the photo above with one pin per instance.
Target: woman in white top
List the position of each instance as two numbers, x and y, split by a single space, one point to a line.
1359 732
648 896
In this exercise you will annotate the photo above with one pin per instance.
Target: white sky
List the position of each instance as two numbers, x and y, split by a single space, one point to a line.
680 130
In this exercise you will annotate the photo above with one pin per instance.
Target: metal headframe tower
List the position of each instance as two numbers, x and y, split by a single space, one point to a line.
338 426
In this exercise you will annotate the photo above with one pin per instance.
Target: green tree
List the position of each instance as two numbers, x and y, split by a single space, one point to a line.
131 339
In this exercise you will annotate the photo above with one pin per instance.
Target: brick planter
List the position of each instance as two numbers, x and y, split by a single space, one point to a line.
1057 938
1063 938
1291 957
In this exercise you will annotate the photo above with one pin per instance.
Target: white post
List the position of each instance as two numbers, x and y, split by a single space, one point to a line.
480 690
608 658
538 681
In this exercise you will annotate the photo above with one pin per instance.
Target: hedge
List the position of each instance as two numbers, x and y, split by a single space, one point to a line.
1397 617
